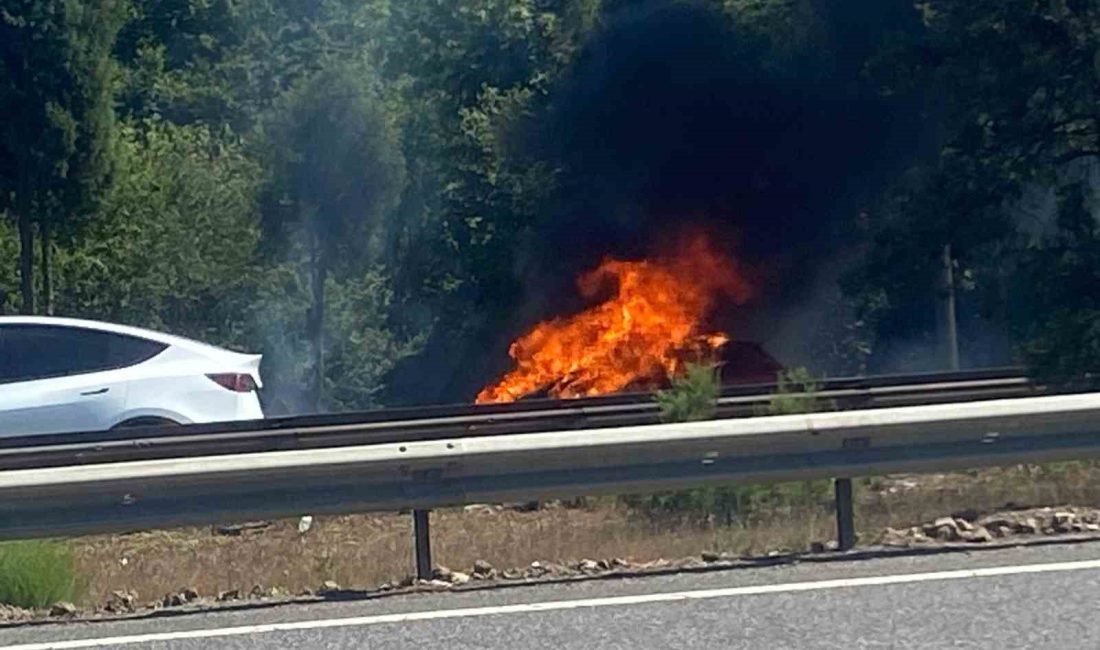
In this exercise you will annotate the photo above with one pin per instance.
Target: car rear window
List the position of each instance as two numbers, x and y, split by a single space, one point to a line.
40 351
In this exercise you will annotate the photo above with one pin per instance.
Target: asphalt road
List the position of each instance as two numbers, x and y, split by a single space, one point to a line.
1036 597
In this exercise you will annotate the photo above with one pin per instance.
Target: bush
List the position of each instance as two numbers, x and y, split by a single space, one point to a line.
693 397
796 392
37 574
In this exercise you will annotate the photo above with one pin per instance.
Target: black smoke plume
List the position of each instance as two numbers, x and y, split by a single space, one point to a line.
675 117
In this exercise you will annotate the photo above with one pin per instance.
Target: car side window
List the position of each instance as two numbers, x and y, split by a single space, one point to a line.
30 352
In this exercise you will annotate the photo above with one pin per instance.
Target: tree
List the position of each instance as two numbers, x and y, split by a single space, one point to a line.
1054 296
337 171
1012 87
1038 110
361 346
222 62
56 86
173 52
9 274
474 78
174 246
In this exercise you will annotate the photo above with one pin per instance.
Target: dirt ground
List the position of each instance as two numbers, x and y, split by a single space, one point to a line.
363 551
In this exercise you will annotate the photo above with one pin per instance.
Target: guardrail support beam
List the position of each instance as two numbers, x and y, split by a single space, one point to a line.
845 514
422 533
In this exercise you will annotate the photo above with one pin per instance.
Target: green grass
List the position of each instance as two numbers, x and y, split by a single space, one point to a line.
37 574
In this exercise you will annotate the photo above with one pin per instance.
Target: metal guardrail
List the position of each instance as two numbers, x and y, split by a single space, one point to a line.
405 425
96 482
452 471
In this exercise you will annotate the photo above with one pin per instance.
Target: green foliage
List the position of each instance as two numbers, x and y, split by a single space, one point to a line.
1037 111
9 276
36 574
1016 87
362 347
272 154
337 171
787 26
731 505
176 242
337 167
795 393
56 91
55 94
474 78
693 395
1055 299
227 63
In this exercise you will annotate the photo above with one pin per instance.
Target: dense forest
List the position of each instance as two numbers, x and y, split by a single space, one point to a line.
379 195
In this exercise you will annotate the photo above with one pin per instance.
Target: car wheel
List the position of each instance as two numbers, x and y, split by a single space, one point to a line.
145 422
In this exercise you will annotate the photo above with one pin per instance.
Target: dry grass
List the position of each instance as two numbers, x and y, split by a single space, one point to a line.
363 551
900 500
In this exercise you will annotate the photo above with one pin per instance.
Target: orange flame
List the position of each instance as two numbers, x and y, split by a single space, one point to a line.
642 333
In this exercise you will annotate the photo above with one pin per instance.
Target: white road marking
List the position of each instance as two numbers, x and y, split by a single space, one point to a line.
615 601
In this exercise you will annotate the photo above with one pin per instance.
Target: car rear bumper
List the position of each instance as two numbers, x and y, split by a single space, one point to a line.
248 407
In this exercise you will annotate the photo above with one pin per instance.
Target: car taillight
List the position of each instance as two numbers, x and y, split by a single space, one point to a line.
234 381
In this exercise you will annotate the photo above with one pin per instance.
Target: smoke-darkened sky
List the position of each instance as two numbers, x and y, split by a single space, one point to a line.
673 117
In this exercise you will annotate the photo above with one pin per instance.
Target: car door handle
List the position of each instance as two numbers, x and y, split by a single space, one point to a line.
98 391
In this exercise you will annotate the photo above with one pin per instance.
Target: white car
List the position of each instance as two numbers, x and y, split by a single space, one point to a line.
65 375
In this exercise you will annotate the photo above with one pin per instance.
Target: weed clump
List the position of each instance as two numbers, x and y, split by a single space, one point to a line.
37 574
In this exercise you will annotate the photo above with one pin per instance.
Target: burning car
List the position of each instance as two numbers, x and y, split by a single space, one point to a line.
650 325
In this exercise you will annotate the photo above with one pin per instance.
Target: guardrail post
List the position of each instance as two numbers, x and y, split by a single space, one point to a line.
845 514
422 533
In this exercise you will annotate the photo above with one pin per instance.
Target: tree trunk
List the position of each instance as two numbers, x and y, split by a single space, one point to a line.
316 322
47 281
26 262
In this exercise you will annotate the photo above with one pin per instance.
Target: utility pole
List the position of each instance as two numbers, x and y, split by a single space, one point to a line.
950 326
